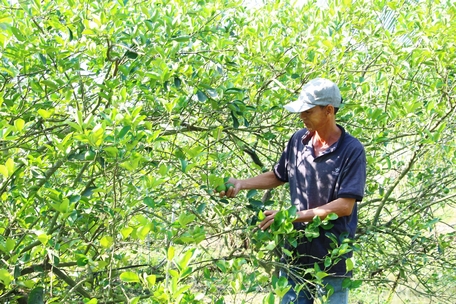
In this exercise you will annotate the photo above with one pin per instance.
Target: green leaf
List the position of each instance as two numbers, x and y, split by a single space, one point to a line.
143 231
201 96
10 244
269 299
235 121
135 300
291 212
184 260
255 205
131 54
45 114
185 219
88 192
149 202
151 279
177 82
270 246
124 131
82 261
163 170
251 193
327 262
221 264
184 164
351 284
106 241
321 275
50 84
17 33
74 125
4 171
125 232
10 166
111 151
36 296
261 215
332 217
6 19
279 219
42 58
70 33
282 282
174 273
182 38
44 238
19 124
201 208
171 252
129 277
287 252
349 264
281 286
149 24
5 277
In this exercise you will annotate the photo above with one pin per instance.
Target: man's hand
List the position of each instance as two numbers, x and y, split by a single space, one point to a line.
268 220
233 190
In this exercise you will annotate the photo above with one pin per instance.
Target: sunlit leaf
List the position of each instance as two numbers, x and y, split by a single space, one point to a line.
106 241
129 277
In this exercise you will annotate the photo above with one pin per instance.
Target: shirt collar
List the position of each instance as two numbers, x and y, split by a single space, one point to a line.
308 135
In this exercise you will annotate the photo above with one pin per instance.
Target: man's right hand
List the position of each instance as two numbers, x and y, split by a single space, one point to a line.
267 180
233 190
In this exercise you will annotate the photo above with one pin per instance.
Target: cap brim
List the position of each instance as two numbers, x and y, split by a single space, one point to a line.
298 106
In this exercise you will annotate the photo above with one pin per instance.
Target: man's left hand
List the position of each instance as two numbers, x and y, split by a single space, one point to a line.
268 220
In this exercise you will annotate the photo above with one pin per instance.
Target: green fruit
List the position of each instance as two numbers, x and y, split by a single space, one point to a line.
224 187
89 155
220 188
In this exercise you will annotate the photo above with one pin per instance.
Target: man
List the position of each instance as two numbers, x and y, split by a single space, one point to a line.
326 170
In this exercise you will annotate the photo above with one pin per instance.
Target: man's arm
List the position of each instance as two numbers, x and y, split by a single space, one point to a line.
340 206
266 180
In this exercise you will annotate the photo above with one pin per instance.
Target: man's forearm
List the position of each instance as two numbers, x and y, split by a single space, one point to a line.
266 180
340 206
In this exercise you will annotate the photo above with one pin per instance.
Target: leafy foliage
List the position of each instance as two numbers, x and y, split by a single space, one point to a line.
119 118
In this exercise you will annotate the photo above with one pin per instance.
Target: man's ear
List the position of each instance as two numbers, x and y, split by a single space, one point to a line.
329 109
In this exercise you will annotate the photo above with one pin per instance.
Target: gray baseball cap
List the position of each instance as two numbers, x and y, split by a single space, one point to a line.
317 92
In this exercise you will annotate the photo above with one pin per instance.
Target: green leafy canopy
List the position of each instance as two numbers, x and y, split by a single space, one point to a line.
118 119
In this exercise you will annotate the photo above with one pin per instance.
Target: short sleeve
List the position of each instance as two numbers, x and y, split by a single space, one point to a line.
282 167
353 179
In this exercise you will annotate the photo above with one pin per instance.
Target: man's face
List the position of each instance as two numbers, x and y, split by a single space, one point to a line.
315 117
